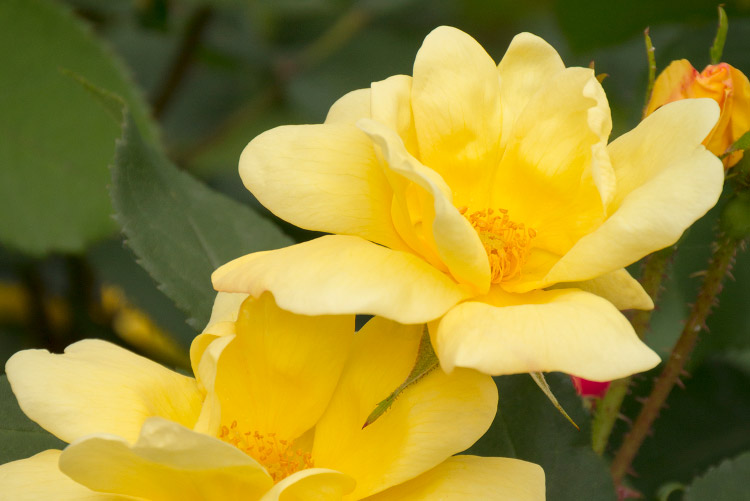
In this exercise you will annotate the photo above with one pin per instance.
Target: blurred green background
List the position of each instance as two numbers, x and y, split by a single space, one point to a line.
204 77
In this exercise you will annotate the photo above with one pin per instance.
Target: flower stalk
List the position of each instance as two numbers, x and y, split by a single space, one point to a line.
719 266
608 410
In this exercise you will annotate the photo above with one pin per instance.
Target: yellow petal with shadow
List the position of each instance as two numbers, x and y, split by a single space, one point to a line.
431 420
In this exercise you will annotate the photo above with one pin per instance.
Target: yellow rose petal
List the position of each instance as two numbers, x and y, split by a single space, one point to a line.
314 484
272 377
566 330
456 104
462 478
528 64
331 177
98 387
38 477
350 108
168 463
341 274
617 287
431 420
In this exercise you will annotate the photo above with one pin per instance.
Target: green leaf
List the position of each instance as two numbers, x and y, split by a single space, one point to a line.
57 143
527 427
20 436
742 143
717 49
180 229
538 378
726 482
426 362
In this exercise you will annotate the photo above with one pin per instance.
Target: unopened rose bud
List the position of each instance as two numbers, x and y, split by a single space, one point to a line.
587 388
721 82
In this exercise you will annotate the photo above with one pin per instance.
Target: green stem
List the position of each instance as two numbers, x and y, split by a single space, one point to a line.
608 409
177 71
721 263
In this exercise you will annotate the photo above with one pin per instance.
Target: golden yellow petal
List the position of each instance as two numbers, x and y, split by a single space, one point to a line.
438 416
279 372
672 84
339 274
98 387
463 478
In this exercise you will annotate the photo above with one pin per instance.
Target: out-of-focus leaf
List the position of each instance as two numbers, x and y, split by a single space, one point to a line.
180 229
592 23
56 142
527 427
20 436
717 49
726 482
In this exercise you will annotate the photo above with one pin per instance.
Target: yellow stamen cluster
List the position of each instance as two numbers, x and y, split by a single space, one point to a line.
507 243
277 455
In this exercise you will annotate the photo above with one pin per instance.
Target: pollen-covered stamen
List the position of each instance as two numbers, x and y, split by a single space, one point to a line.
278 456
506 242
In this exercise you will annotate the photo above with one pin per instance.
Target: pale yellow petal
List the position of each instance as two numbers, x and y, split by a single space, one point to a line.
279 372
350 107
456 103
226 307
462 478
526 67
38 477
168 463
431 420
661 141
662 201
391 106
456 241
209 421
338 274
555 173
98 387
617 287
566 330
314 484
323 178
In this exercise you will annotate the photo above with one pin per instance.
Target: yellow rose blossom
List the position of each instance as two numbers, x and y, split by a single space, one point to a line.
275 414
721 82
484 200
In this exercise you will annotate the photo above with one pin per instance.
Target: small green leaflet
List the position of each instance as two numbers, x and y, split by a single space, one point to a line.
426 362
538 378
742 143
717 49
725 482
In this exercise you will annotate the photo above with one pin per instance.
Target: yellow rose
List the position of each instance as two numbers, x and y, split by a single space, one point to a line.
275 414
721 82
486 201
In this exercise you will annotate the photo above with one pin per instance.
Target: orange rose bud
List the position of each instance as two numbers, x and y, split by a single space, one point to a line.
723 83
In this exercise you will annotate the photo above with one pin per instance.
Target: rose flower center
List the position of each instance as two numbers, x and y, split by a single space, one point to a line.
278 457
506 242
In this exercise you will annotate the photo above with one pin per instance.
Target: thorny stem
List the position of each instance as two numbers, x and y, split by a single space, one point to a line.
193 32
608 409
721 263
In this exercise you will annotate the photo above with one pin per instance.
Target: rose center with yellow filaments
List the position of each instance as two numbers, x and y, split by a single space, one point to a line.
506 242
278 456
